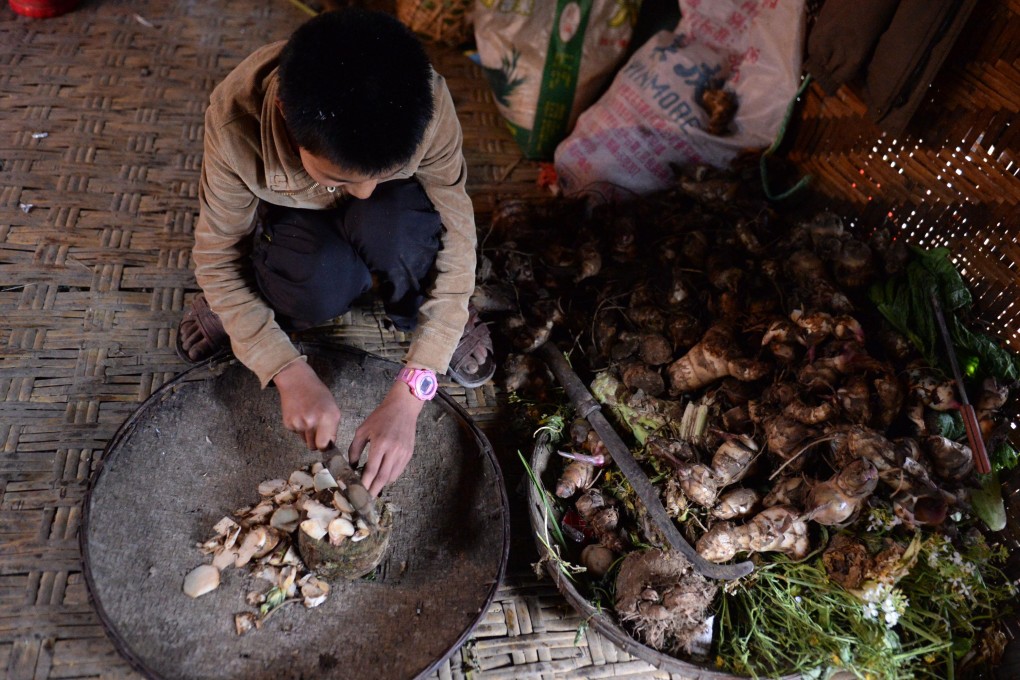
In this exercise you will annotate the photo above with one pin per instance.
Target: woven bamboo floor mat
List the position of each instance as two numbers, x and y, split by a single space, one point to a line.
100 151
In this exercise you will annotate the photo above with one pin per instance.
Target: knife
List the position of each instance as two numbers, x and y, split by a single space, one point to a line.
970 421
356 492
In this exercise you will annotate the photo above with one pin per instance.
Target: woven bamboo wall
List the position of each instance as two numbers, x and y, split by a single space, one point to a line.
954 178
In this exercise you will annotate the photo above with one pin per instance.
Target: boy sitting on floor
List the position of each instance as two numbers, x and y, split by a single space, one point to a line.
333 162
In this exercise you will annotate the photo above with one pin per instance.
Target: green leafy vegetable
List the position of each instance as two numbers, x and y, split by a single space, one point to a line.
987 502
949 424
1004 457
904 302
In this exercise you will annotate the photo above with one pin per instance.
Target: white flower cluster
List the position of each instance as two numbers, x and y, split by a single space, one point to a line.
882 601
958 572
880 519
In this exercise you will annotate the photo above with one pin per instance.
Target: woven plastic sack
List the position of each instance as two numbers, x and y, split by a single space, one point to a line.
652 116
443 21
548 60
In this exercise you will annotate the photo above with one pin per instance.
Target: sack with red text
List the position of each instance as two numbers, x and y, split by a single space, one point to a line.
718 85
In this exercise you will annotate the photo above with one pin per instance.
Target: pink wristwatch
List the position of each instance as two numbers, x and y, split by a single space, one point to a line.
422 381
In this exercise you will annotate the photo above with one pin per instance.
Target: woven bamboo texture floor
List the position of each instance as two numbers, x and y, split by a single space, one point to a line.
100 150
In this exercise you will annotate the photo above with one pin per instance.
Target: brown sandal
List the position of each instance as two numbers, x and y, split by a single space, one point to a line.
203 331
464 366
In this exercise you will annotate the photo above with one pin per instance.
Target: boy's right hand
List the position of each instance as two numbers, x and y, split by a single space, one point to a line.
307 405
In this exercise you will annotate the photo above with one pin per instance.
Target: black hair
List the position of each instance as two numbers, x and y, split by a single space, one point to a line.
356 89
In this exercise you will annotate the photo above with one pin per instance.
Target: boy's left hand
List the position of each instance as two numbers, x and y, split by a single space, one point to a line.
390 430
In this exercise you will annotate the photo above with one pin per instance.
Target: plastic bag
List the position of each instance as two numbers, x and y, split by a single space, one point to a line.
543 78
653 114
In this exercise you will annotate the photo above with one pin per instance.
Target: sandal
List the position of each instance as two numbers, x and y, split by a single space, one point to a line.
465 368
203 332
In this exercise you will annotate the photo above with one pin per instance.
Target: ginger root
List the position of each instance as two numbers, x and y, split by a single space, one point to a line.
776 529
715 357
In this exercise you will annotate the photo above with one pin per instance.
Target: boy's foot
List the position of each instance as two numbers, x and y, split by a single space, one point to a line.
200 334
473 363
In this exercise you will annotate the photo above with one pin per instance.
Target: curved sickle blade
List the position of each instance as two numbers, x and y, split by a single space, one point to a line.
590 409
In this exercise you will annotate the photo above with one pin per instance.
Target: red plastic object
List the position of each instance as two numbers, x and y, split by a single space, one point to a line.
42 9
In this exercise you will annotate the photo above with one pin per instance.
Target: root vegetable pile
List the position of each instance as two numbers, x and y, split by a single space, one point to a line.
263 539
775 398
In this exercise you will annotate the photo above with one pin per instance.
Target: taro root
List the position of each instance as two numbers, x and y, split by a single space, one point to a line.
597 559
528 375
715 357
732 459
589 261
640 376
698 483
782 339
992 398
888 399
736 503
663 600
814 413
952 460
853 265
784 437
836 500
788 491
625 346
655 350
684 330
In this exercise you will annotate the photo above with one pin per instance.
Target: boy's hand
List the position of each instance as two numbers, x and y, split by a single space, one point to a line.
390 430
307 405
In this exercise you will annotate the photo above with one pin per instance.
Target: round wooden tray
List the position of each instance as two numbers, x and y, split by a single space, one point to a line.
197 450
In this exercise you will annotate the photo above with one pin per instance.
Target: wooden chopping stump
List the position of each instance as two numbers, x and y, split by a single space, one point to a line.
197 450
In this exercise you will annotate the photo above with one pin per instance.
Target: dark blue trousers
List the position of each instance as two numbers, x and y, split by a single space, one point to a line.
311 265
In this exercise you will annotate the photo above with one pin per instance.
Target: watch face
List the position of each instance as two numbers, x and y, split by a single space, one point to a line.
426 385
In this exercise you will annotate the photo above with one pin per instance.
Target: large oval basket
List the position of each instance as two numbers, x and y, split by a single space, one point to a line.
197 450
598 618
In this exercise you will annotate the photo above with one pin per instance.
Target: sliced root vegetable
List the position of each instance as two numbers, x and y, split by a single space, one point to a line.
201 580
225 526
286 518
267 573
302 479
224 558
260 512
272 487
244 622
323 480
254 541
316 510
341 503
314 590
273 537
316 528
286 581
340 529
